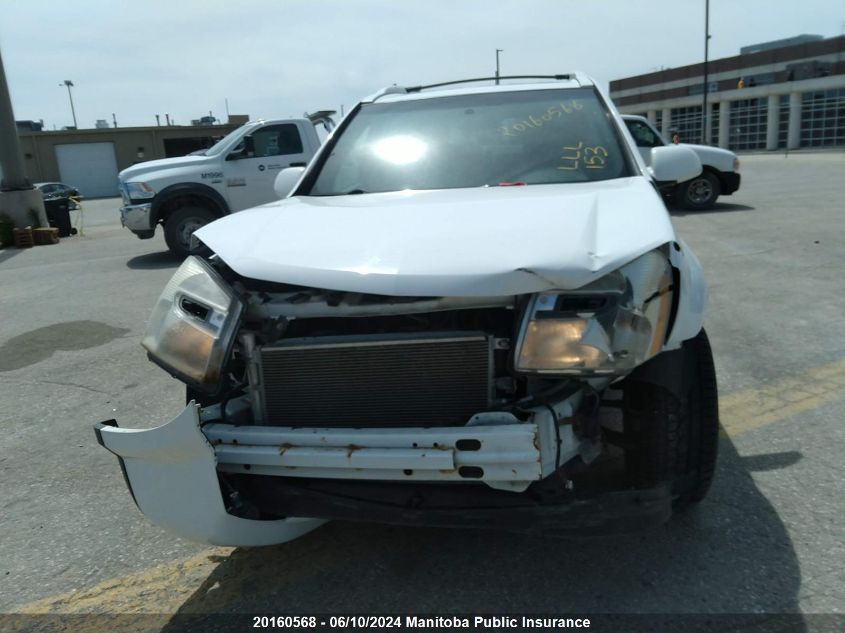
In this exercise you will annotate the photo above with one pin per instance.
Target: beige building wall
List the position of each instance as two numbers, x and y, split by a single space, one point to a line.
131 144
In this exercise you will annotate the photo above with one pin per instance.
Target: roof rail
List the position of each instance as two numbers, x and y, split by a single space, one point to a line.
465 81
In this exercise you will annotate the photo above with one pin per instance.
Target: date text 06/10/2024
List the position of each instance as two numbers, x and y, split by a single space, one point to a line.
420 622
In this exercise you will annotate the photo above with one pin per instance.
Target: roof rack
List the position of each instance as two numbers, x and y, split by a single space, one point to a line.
465 81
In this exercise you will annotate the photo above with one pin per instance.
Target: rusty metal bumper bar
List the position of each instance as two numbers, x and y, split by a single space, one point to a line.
502 456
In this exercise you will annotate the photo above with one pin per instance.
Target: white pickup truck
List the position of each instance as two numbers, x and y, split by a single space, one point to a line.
185 193
720 175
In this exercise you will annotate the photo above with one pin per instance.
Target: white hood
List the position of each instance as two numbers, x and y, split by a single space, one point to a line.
146 167
493 241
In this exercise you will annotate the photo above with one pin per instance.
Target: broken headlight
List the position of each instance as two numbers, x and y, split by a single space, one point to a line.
607 327
192 327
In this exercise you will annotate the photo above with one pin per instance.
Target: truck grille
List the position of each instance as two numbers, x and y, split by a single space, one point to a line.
438 379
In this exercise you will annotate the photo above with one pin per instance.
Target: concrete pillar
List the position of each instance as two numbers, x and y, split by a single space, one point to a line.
708 123
667 120
651 115
772 121
18 199
724 123
793 136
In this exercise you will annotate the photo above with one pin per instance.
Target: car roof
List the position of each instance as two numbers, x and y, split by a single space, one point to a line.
468 86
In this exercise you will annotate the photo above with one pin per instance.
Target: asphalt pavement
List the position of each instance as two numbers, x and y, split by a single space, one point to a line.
769 538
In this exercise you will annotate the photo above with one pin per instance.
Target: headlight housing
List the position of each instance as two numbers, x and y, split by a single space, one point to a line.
607 327
192 327
139 190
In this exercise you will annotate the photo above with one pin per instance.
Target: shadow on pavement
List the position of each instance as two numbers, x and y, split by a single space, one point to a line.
720 207
153 261
730 555
8 253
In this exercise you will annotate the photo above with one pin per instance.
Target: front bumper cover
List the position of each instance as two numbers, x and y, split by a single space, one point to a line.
173 474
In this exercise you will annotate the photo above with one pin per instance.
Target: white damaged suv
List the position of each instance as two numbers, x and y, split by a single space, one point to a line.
470 310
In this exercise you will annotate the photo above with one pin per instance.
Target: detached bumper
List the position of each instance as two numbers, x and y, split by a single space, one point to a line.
171 473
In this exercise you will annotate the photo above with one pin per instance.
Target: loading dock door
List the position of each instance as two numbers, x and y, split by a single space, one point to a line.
90 167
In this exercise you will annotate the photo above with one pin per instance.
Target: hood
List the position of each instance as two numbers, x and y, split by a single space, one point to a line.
132 173
493 241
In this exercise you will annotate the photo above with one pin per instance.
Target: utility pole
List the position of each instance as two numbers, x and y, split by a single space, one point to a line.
69 84
18 198
498 50
706 51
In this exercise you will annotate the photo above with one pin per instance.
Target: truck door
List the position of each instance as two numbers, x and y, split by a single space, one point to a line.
251 169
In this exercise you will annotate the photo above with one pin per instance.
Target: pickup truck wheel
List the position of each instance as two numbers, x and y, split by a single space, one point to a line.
700 192
672 439
180 226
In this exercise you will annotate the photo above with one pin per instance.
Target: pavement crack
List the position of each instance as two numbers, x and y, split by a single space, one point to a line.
65 384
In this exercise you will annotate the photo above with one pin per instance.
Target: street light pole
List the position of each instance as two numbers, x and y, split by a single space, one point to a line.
706 50
69 84
498 50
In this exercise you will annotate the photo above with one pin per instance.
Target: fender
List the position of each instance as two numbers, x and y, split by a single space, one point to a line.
184 189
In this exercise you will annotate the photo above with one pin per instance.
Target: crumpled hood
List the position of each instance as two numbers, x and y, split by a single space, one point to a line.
493 241
131 173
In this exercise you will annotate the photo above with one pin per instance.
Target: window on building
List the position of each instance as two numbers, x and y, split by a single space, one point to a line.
823 118
687 123
748 124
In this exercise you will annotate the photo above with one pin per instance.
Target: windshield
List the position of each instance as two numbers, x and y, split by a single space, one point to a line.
476 140
221 144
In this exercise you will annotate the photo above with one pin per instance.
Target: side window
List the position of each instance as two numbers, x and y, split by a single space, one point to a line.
275 140
643 135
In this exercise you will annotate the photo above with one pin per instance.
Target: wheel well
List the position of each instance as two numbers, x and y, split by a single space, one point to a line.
166 208
713 172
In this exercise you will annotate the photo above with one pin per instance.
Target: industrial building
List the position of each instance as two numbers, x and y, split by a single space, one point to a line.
785 94
90 159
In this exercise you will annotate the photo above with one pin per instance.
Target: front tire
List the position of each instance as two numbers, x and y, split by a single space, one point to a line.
181 225
699 193
673 439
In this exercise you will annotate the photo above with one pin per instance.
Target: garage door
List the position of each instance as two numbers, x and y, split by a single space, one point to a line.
90 167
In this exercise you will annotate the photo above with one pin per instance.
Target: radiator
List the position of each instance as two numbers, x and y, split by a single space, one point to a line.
436 379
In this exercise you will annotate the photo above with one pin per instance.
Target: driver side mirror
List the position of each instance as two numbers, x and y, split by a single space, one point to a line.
286 180
244 149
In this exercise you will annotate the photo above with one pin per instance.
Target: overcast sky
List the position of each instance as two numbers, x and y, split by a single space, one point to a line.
276 58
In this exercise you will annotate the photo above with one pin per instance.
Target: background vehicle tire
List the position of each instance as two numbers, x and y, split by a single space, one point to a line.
672 439
181 224
700 192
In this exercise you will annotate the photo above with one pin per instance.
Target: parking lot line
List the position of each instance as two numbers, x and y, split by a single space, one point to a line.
749 409
164 588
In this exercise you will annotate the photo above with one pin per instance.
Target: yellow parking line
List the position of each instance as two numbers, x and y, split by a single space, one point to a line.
165 588
746 410
160 589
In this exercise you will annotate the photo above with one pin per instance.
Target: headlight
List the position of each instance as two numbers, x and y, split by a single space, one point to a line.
139 190
192 326
607 327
